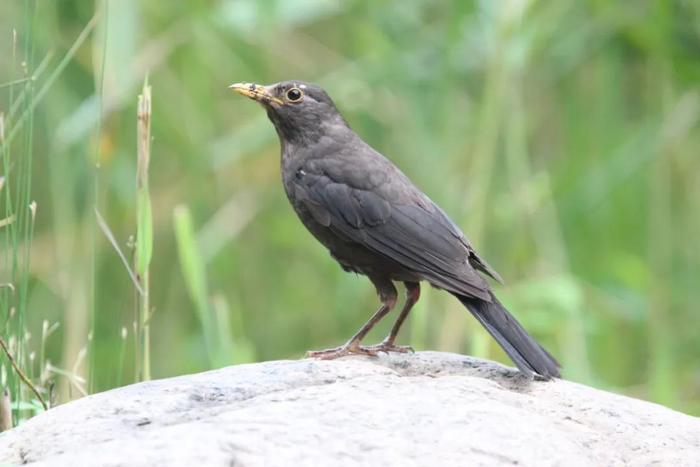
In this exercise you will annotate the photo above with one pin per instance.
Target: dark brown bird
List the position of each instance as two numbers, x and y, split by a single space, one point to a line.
375 222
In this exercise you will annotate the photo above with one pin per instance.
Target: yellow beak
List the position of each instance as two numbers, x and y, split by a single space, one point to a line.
256 92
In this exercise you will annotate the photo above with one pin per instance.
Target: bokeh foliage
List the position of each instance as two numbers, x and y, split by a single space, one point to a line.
562 136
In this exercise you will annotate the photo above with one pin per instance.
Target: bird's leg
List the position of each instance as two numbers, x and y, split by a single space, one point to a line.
387 294
387 345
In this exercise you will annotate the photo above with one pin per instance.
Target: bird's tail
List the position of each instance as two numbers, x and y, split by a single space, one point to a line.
526 353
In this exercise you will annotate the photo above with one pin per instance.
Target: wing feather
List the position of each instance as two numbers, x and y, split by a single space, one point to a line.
417 235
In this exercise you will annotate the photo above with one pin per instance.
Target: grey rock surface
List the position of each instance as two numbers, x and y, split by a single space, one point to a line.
424 409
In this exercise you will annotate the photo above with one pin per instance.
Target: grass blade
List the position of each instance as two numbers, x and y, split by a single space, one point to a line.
113 241
144 228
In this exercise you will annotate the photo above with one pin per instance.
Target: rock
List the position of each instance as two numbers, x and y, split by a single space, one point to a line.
427 408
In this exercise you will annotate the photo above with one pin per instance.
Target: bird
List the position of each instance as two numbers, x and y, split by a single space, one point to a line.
375 222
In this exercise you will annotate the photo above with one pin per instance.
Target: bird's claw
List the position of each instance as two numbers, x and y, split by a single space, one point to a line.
352 348
387 347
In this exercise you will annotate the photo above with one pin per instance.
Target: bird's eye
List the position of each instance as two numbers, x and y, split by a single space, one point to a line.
294 95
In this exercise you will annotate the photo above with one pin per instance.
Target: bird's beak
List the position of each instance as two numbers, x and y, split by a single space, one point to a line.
256 92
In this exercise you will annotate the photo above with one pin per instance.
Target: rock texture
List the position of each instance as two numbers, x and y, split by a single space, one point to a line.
425 409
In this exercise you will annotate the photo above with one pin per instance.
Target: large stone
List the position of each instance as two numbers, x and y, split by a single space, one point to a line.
428 408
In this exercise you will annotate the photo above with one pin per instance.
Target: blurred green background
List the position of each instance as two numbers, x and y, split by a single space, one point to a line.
562 136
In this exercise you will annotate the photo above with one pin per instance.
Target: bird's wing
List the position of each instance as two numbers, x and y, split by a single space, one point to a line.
391 217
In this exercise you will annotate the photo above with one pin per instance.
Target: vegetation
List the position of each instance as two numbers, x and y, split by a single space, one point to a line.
562 136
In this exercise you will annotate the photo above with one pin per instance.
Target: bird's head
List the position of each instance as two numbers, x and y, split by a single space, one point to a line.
301 112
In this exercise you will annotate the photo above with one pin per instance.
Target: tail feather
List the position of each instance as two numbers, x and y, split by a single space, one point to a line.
526 353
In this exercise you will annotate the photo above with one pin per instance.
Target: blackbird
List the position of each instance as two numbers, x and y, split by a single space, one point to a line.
374 221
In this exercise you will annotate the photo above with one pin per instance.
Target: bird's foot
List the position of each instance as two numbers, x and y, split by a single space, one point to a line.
351 348
387 346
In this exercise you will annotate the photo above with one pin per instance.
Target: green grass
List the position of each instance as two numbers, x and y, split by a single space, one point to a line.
144 229
562 137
